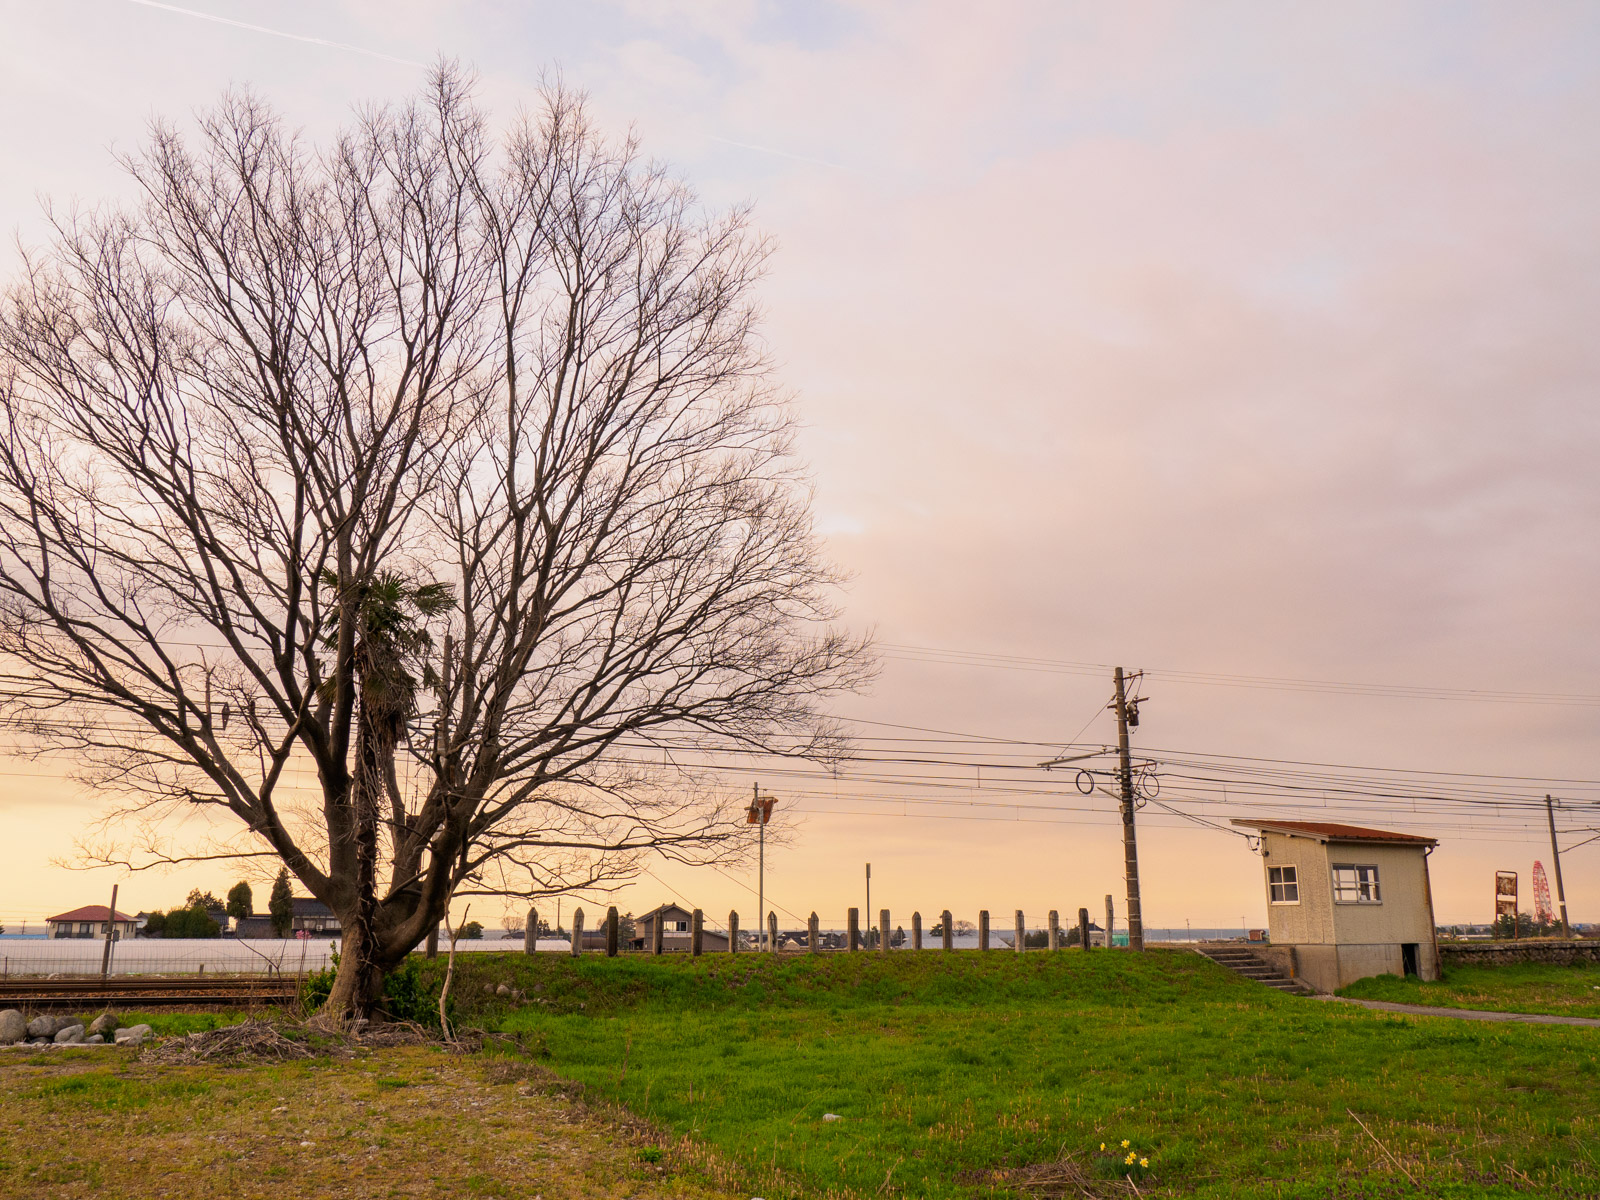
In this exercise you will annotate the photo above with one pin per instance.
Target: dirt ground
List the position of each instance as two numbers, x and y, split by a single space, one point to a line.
402 1122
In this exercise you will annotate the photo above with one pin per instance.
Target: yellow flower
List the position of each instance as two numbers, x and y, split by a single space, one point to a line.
1144 1162
1129 1159
1124 1143
1102 1145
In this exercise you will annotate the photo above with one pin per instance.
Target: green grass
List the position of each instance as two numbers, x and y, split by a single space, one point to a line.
1520 987
966 1075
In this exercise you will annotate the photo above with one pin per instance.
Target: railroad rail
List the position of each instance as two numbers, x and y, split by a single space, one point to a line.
147 991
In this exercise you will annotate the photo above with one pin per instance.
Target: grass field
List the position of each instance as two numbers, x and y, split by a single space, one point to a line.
972 1075
1522 987
407 1122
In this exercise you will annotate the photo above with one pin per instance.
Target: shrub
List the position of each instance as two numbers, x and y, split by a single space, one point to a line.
406 995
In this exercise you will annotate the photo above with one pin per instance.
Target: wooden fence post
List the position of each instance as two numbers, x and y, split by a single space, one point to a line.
853 920
983 929
916 931
577 932
772 932
1055 930
1022 933
948 925
530 932
1083 928
1110 922
813 934
656 945
611 931
697 925
733 933
883 931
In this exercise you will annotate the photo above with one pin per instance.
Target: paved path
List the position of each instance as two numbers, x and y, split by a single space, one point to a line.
1465 1014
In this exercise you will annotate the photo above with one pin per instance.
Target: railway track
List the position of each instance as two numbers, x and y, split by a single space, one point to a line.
147 992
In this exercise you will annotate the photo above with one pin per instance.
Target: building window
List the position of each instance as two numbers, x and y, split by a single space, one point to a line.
681 926
1284 885
1355 884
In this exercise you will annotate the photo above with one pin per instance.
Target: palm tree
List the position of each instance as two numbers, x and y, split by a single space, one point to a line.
390 645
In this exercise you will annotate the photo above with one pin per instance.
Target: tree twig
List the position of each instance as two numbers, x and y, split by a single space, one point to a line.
449 973
1399 1166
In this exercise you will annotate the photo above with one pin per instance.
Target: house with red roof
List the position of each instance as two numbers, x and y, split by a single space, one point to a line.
89 922
1347 901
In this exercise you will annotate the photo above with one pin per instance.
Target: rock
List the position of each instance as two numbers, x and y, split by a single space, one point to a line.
72 1033
95 1039
43 1027
132 1035
832 1117
104 1023
502 990
13 1026
488 989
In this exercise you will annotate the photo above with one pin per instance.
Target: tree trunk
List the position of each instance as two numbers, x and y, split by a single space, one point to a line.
358 985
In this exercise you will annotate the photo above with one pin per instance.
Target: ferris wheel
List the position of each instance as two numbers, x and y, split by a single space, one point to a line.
1543 912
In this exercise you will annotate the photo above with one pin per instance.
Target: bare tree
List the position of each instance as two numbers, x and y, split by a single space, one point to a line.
414 504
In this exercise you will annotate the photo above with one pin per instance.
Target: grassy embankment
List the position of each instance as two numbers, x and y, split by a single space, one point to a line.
966 1075
1521 987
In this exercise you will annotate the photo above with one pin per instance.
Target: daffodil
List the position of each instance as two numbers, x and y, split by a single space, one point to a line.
1144 1162
1124 1143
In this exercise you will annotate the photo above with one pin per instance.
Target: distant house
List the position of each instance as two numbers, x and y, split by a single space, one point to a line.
311 917
90 922
1349 901
675 932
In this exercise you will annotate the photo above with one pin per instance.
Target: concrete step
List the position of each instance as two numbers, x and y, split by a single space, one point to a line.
1243 962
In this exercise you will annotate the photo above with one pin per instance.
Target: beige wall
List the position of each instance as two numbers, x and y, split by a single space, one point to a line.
1403 915
1310 921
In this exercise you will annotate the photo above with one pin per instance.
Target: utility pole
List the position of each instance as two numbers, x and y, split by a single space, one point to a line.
759 813
111 933
1555 855
1130 845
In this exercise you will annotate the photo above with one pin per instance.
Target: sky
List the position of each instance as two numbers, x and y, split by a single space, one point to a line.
1232 340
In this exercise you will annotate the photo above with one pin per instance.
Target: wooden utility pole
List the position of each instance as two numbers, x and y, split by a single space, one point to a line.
1555 856
1130 844
733 933
111 929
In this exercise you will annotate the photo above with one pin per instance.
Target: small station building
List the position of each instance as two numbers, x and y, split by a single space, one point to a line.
1348 902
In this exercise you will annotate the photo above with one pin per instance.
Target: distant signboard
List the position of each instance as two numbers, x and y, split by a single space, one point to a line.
1505 895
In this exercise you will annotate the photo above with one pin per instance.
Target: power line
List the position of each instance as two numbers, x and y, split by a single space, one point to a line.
1014 662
